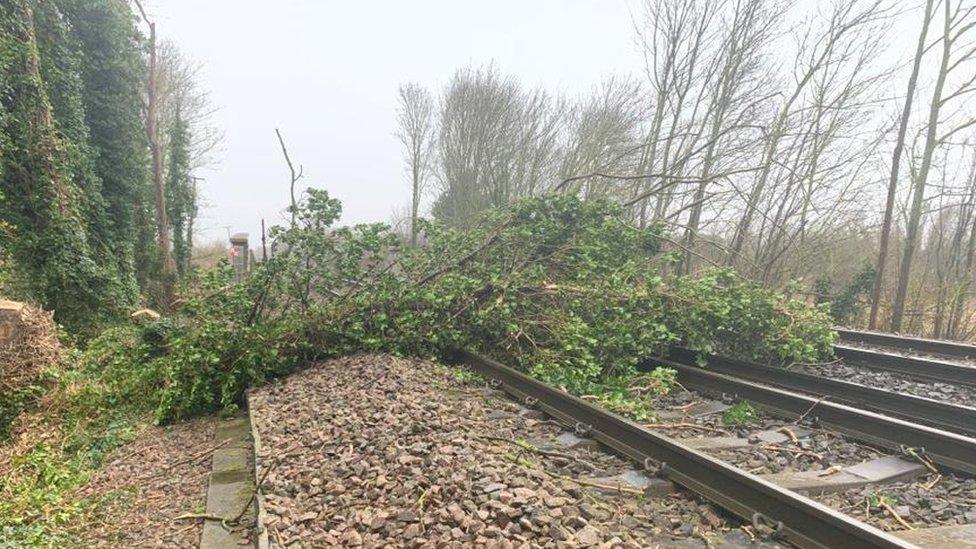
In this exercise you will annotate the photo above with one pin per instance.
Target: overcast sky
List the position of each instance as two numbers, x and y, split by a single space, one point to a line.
326 72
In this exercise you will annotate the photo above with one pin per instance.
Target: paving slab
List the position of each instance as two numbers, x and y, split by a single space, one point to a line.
778 436
885 469
238 430
942 537
652 486
716 443
231 484
230 465
569 440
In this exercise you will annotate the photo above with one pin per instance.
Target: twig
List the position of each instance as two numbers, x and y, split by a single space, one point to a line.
682 425
181 530
921 459
529 447
788 432
686 407
887 507
932 484
206 516
227 521
810 409
830 471
619 488
294 177
197 456
254 493
793 451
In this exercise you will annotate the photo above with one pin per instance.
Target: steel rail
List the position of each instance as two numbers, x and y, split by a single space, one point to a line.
908 343
935 413
925 368
798 519
951 450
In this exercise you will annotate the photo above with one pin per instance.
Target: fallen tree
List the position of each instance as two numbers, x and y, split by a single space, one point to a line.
564 289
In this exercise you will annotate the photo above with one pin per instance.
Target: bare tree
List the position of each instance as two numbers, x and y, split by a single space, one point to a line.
895 163
295 176
740 76
845 25
415 118
156 150
496 142
957 21
602 138
778 169
181 89
677 40
185 112
819 174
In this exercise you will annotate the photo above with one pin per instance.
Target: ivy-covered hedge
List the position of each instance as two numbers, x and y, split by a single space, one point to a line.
564 289
73 166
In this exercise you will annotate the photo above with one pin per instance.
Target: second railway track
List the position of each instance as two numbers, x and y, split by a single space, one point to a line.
940 347
770 506
927 411
930 359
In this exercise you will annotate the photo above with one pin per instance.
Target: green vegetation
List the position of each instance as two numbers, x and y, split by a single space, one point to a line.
77 208
51 205
740 414
847 304
568 290
563 289
94 406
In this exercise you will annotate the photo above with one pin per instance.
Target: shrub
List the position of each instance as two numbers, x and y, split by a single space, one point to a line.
721 313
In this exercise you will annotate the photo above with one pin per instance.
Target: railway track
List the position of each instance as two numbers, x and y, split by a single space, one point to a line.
771 502
941 347
914 366
899 354
925 411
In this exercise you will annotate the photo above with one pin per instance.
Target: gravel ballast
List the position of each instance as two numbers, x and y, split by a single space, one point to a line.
375 450
931 500
928 502
959 395
818 450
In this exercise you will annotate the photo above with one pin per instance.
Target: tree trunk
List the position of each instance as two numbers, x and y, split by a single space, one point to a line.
156 149
415 204
912 232
895 163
